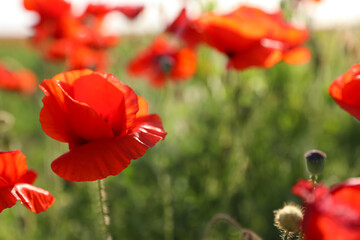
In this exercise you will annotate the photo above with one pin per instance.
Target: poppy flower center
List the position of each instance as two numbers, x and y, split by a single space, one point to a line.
166 63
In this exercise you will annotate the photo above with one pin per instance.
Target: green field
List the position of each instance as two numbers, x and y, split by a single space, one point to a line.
235 145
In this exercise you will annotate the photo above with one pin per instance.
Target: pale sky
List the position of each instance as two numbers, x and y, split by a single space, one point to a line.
16 22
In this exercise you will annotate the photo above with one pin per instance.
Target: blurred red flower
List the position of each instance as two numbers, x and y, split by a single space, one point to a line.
185 29
131 12
251 37
22 80
345 91
161 61
104 122
16 184
50 14
81 41
330 214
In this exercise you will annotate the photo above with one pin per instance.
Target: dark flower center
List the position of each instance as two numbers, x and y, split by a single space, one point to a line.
166 63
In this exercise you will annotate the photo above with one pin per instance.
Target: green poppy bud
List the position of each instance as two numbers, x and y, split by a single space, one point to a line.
315 161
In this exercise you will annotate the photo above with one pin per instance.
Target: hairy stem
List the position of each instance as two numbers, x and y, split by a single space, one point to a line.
104 210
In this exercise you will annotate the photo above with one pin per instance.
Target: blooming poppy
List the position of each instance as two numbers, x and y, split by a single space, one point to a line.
16 184
22 80
162 60
104 122
345 90
185 29
330 214
131 12
250 37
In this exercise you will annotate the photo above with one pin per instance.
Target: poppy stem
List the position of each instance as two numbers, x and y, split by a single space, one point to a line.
221 217
104 209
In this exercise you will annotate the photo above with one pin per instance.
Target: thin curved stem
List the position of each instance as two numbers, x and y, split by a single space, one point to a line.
104 210
224 217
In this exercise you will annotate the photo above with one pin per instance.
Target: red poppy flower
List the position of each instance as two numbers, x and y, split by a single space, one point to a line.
131 12
104 122
161 61
51 14
345 91
251 37
23 80
330 214
185 29
16 184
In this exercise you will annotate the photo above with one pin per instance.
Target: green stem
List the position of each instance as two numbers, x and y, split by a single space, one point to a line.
224 217
104 210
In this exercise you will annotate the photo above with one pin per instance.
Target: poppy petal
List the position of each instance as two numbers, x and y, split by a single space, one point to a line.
257 56
87 125
105 98
99 159
12 167
29 177
7 199
34 198
27 81
131 12
143 107
52 118
298 55
185 64
131 99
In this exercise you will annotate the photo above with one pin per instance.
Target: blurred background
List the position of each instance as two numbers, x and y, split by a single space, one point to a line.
236 140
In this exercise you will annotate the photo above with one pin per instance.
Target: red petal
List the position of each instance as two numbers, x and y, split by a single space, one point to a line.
105 98
143 107
27 81
131 99
29 177
84 121
231 33
12 167
348 193
256 56
34 198
99 159
7 199
52 116
298 55
185 65
131 12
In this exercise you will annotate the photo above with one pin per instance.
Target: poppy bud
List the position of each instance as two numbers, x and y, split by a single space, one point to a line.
289 218
315 161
